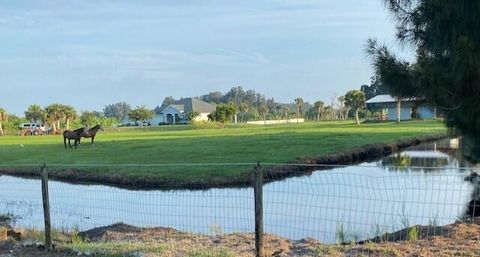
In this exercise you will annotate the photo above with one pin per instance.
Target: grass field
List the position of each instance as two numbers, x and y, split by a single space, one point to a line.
192 145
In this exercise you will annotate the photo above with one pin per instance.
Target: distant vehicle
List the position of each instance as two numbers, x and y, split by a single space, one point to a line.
30 129
135 124
141 124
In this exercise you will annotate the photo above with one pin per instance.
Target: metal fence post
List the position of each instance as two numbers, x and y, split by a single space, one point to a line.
46 209
258 195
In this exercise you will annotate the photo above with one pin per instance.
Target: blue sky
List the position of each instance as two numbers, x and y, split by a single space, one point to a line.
92 53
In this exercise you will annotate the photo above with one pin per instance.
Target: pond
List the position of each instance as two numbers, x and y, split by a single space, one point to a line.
421 185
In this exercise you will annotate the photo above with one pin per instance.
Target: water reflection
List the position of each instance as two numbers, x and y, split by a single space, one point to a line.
398 161
382 195
436 157
416 161
428 157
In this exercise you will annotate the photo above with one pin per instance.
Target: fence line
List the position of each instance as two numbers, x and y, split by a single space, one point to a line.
338 206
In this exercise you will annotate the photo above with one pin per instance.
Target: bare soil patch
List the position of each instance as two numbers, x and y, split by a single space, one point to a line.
459 239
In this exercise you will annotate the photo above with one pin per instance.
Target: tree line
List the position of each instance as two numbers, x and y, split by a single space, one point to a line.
237 104
247 105
58 117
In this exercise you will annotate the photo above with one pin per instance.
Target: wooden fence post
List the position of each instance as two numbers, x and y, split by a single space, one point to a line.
258 195
46 209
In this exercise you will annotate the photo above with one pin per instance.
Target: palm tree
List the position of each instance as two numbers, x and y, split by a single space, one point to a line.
329 112
63 114
342 108
50 118
35 113
285 111
299 103
355 99
243 108
46 121
54 115
69 114
278 111
3 118
318 108
263 110
58 112
395 75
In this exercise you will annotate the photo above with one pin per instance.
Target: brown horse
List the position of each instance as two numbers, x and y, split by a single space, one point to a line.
72 135
91 133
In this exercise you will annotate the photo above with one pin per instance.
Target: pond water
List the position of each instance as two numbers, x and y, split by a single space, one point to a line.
422 185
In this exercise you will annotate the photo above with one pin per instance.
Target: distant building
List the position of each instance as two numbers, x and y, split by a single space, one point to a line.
411 108
176 113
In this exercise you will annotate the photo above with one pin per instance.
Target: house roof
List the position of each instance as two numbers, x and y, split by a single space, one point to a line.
159 109
195 105
179 107
388 99
189 105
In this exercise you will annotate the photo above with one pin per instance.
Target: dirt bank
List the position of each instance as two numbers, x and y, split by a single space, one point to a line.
272 173
458 239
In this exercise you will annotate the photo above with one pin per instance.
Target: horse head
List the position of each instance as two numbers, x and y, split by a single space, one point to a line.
97 127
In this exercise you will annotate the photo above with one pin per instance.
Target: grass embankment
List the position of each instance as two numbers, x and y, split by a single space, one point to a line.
193 145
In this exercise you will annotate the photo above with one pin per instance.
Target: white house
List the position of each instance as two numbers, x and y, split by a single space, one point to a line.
411 108
177 112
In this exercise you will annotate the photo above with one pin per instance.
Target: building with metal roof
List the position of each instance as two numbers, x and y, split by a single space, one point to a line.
410 108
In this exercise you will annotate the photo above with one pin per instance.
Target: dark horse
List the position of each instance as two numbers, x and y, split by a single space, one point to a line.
91 133
75 135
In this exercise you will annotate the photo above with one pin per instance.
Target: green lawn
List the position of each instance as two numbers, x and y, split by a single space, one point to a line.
193 145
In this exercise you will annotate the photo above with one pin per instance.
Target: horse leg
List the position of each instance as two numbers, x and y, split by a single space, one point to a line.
69 145
92 141
65 141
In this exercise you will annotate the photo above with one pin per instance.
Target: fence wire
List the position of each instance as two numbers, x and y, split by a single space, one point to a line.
339 204
342 206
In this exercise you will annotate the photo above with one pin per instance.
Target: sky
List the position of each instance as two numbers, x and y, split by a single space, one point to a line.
91 53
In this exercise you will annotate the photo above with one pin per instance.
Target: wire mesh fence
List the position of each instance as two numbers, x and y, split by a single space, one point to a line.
343 206
206 212
340 204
